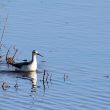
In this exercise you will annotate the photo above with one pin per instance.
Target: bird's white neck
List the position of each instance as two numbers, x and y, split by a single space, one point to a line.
34 59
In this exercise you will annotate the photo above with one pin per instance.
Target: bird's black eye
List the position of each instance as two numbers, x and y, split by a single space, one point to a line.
33 51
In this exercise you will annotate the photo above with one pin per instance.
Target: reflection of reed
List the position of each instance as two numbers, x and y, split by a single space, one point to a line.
16 85
65 77
5 86
46 79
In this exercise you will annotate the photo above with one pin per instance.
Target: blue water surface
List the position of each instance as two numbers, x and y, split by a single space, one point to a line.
74 37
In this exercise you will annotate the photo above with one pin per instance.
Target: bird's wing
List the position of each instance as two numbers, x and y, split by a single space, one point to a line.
19 65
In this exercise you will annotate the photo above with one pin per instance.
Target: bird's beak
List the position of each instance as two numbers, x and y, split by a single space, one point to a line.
40 54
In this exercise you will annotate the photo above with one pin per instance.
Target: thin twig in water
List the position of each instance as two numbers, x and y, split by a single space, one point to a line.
7 57
3 32
51 77
47 77
15 54
44 75
10 59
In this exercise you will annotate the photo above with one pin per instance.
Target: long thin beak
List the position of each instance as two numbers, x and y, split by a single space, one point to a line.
40 54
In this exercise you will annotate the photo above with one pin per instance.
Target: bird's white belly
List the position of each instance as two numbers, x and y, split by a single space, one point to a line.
27 68
32 67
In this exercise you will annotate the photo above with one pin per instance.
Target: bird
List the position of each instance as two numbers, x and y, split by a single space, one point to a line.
30 66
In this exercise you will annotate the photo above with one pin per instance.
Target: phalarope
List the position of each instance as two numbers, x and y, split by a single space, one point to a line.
27 66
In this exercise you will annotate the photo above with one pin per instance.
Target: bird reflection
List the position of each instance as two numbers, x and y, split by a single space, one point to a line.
32 76
46 80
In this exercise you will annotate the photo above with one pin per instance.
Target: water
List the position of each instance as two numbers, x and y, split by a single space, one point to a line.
74 38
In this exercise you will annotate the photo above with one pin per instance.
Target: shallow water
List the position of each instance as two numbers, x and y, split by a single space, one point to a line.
74 38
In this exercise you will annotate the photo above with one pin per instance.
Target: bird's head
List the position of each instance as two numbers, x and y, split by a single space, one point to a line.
36 53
